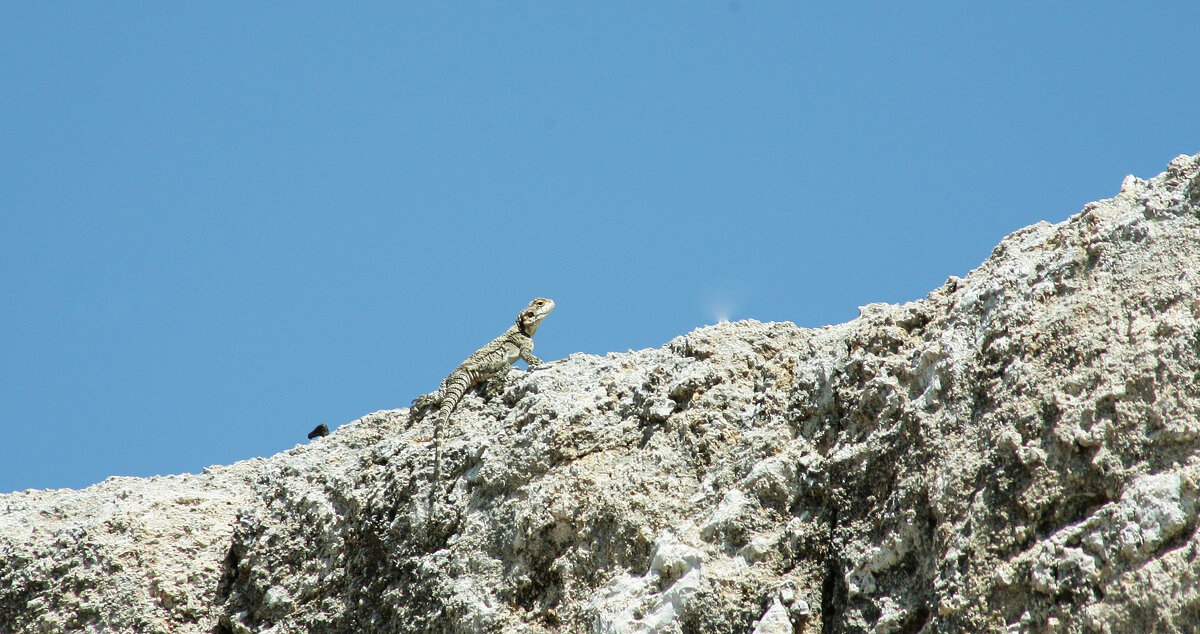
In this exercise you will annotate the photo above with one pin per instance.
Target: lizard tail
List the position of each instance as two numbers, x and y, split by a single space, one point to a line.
452 391
437 465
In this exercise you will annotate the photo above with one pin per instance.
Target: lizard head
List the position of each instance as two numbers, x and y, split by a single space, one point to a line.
530 318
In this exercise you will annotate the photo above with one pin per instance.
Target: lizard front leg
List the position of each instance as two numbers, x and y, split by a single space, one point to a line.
528 357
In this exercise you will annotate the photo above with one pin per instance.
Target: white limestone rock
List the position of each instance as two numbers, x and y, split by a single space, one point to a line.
1017 451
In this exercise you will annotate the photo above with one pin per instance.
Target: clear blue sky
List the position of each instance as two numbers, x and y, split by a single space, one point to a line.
225 223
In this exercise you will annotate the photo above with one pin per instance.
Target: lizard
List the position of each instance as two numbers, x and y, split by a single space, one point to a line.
492 359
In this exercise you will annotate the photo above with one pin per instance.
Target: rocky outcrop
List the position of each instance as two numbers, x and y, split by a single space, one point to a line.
1017 451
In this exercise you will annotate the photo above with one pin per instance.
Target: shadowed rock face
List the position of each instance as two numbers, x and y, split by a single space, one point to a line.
1016 451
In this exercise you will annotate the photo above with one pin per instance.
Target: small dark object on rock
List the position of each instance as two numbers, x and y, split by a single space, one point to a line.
321 430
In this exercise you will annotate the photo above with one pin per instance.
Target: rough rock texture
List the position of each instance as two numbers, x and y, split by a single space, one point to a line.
1018 451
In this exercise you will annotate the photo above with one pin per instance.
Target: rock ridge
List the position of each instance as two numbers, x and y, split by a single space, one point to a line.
1017 451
